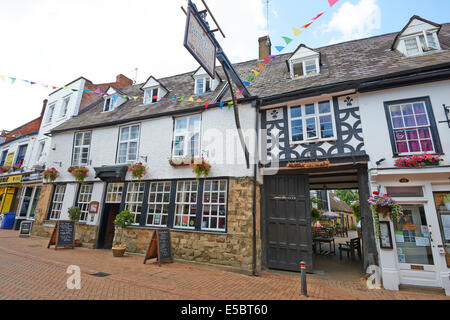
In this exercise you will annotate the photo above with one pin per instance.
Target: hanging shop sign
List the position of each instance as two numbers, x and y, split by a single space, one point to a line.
11 179
160 247
315 164
199 43
63 235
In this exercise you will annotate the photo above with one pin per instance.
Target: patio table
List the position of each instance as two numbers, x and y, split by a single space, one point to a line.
321 240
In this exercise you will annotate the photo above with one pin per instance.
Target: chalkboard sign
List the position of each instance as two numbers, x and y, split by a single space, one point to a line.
25 229
160 246
63 235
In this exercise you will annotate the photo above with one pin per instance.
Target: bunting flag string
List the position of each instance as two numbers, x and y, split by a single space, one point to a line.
251 78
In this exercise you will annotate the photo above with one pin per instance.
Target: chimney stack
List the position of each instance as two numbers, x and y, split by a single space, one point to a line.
123 81
265 47
44 105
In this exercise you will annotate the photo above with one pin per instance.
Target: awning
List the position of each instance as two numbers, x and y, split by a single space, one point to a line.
111 173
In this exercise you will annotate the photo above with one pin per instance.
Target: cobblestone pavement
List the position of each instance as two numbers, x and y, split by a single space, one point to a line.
28 270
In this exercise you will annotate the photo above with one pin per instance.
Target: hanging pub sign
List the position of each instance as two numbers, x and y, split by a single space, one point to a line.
25 229
63 235
198 42
160 247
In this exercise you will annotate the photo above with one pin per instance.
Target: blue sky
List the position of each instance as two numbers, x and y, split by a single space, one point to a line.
356 18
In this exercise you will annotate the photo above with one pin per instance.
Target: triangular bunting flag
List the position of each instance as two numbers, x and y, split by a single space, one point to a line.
182 98
266 60
287 40
251 78
2 77
199 100
221 105
272 56
26 81
54 88
307 25
206 105
296 31
332 2
246 83
97 91
44 85
191 99
74 90
31 82
135 98
279 48
230 104
318 16
115 97
87 90
174 99
255 72
261 67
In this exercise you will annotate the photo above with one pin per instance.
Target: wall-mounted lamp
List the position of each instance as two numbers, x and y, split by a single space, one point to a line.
447 114
145 158
56 162
380 161
403 180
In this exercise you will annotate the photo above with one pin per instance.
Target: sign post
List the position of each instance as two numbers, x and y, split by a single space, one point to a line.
160 247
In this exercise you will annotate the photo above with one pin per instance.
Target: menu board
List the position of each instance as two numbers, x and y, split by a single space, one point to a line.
385 235
63 235
445 218
25 229
160 246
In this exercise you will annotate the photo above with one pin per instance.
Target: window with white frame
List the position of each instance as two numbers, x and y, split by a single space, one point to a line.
84 198
114 193
421 43
151 95
81 148
314 121
186 204
28 202
57 203
203 85
158 204
50 112
214 205
109 104
128 144
306 67
187 136
134 199
65 106
40 150
411 128
3 159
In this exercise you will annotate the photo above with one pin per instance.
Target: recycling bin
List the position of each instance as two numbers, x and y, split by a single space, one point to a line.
8 220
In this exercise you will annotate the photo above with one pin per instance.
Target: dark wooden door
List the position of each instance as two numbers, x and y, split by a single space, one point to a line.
109 232
288 222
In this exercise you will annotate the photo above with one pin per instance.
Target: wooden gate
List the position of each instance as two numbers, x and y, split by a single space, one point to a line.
288 222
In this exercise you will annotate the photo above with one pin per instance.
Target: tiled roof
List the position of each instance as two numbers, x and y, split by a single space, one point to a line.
349 61
337 205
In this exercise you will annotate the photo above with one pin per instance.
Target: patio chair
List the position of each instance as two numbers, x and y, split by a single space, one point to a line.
350 247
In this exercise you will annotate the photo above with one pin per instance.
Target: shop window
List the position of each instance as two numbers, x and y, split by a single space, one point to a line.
81 148
442 201
32 212
312 122
128 144
58 198
27 193
84 198
412 127
186 204
187 136
158 204
214 205
134 199
114 193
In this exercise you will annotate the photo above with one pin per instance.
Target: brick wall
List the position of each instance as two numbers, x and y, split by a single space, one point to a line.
233 250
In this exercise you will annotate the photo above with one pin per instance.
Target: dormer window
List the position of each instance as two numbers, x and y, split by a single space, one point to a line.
303 68
108 104
421 43
151 95
203 85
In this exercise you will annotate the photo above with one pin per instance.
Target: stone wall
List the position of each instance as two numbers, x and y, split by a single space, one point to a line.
233 250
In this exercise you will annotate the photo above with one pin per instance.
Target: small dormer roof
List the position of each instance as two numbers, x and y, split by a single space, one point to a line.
112 90
413 18
201 71
153 82
302 51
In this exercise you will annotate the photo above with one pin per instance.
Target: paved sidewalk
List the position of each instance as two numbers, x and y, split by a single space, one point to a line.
28 270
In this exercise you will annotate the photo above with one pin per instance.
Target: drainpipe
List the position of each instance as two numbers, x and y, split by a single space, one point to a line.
255 173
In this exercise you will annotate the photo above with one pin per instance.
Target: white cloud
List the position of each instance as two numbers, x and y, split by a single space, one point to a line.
55 42
355 21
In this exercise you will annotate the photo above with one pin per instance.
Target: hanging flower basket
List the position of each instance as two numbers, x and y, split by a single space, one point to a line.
386 206
138 170
51 174
80 174
181 161
418 161
5 169
201 167
16 167
71 169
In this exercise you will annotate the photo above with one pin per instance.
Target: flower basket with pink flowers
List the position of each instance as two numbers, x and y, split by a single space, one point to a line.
5 169
418 161
80 174
201 167
51 174
138 170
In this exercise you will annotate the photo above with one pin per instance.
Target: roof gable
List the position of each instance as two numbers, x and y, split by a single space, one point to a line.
415 25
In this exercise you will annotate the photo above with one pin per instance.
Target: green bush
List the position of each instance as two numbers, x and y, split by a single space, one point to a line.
74 213
123 220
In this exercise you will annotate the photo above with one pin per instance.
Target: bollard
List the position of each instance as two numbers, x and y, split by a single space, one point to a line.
304 290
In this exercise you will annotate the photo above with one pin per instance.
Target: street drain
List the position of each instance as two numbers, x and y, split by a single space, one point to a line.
100 274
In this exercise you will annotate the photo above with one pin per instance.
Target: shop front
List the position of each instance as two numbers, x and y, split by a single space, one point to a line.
415 249
10 186
29 196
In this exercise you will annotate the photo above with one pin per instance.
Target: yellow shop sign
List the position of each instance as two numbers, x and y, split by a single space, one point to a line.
11 179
